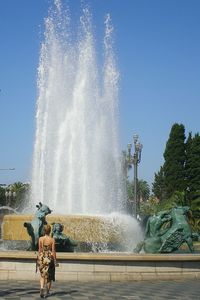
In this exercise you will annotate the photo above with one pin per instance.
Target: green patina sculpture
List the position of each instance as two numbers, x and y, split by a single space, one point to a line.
63 242
35 228
167 231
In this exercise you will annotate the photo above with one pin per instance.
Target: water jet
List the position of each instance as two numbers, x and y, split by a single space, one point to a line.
77 169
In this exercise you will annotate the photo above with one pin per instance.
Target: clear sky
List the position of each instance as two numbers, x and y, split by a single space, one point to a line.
157 46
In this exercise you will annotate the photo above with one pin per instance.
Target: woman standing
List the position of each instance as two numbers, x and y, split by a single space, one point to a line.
46 260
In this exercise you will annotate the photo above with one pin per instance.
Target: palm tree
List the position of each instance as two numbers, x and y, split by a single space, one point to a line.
20 193
143 190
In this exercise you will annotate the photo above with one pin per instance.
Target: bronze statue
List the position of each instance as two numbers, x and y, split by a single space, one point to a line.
35 228
167 231
63 242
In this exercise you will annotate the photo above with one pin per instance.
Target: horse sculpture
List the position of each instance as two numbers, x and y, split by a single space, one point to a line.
180 231
35 228
167 231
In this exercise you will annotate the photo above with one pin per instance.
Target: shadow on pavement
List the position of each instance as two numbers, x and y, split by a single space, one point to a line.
23 291
62 293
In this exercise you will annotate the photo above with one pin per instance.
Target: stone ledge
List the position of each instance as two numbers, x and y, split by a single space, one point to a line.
103 266
31 255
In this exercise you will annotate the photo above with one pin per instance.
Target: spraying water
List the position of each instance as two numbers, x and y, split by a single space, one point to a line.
76 165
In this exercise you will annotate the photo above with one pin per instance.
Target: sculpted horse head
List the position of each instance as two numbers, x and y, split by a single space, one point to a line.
43 211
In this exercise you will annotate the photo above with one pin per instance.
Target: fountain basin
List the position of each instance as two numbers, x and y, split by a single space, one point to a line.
84 229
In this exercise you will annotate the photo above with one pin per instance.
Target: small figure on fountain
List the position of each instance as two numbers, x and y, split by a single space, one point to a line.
63 242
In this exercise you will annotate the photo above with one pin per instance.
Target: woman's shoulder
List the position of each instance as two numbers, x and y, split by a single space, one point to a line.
47 239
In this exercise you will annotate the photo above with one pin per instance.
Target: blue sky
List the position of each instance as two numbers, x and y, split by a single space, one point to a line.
157 46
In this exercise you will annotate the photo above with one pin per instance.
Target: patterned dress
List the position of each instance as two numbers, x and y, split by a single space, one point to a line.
46 264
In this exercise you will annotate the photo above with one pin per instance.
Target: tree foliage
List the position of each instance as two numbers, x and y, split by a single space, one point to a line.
158 186
20 194
2 196
174 164
153 205
192 169
178 180
150 207
143 192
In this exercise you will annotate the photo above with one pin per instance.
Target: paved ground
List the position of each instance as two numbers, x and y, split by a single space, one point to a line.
182 290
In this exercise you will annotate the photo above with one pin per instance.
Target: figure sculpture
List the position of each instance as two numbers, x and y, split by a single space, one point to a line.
167 231
35 228
63 242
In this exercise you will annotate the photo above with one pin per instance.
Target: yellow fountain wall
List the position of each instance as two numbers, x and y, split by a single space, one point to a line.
79 228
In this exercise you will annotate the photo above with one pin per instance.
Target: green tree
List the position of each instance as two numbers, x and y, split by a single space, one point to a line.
192 167
143 190
21 191
195 206
176 199
158 186
150 207
174 156
2 196
143 193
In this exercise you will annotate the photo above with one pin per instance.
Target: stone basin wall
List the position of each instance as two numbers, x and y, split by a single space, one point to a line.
108 267
79 228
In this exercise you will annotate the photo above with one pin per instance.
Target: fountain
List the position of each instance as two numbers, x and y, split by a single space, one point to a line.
76 164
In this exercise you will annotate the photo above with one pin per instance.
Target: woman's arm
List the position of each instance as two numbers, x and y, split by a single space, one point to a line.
54 249
40 245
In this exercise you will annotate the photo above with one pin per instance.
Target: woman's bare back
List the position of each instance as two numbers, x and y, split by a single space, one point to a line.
47 242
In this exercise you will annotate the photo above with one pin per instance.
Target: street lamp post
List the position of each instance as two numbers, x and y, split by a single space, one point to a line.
134 159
